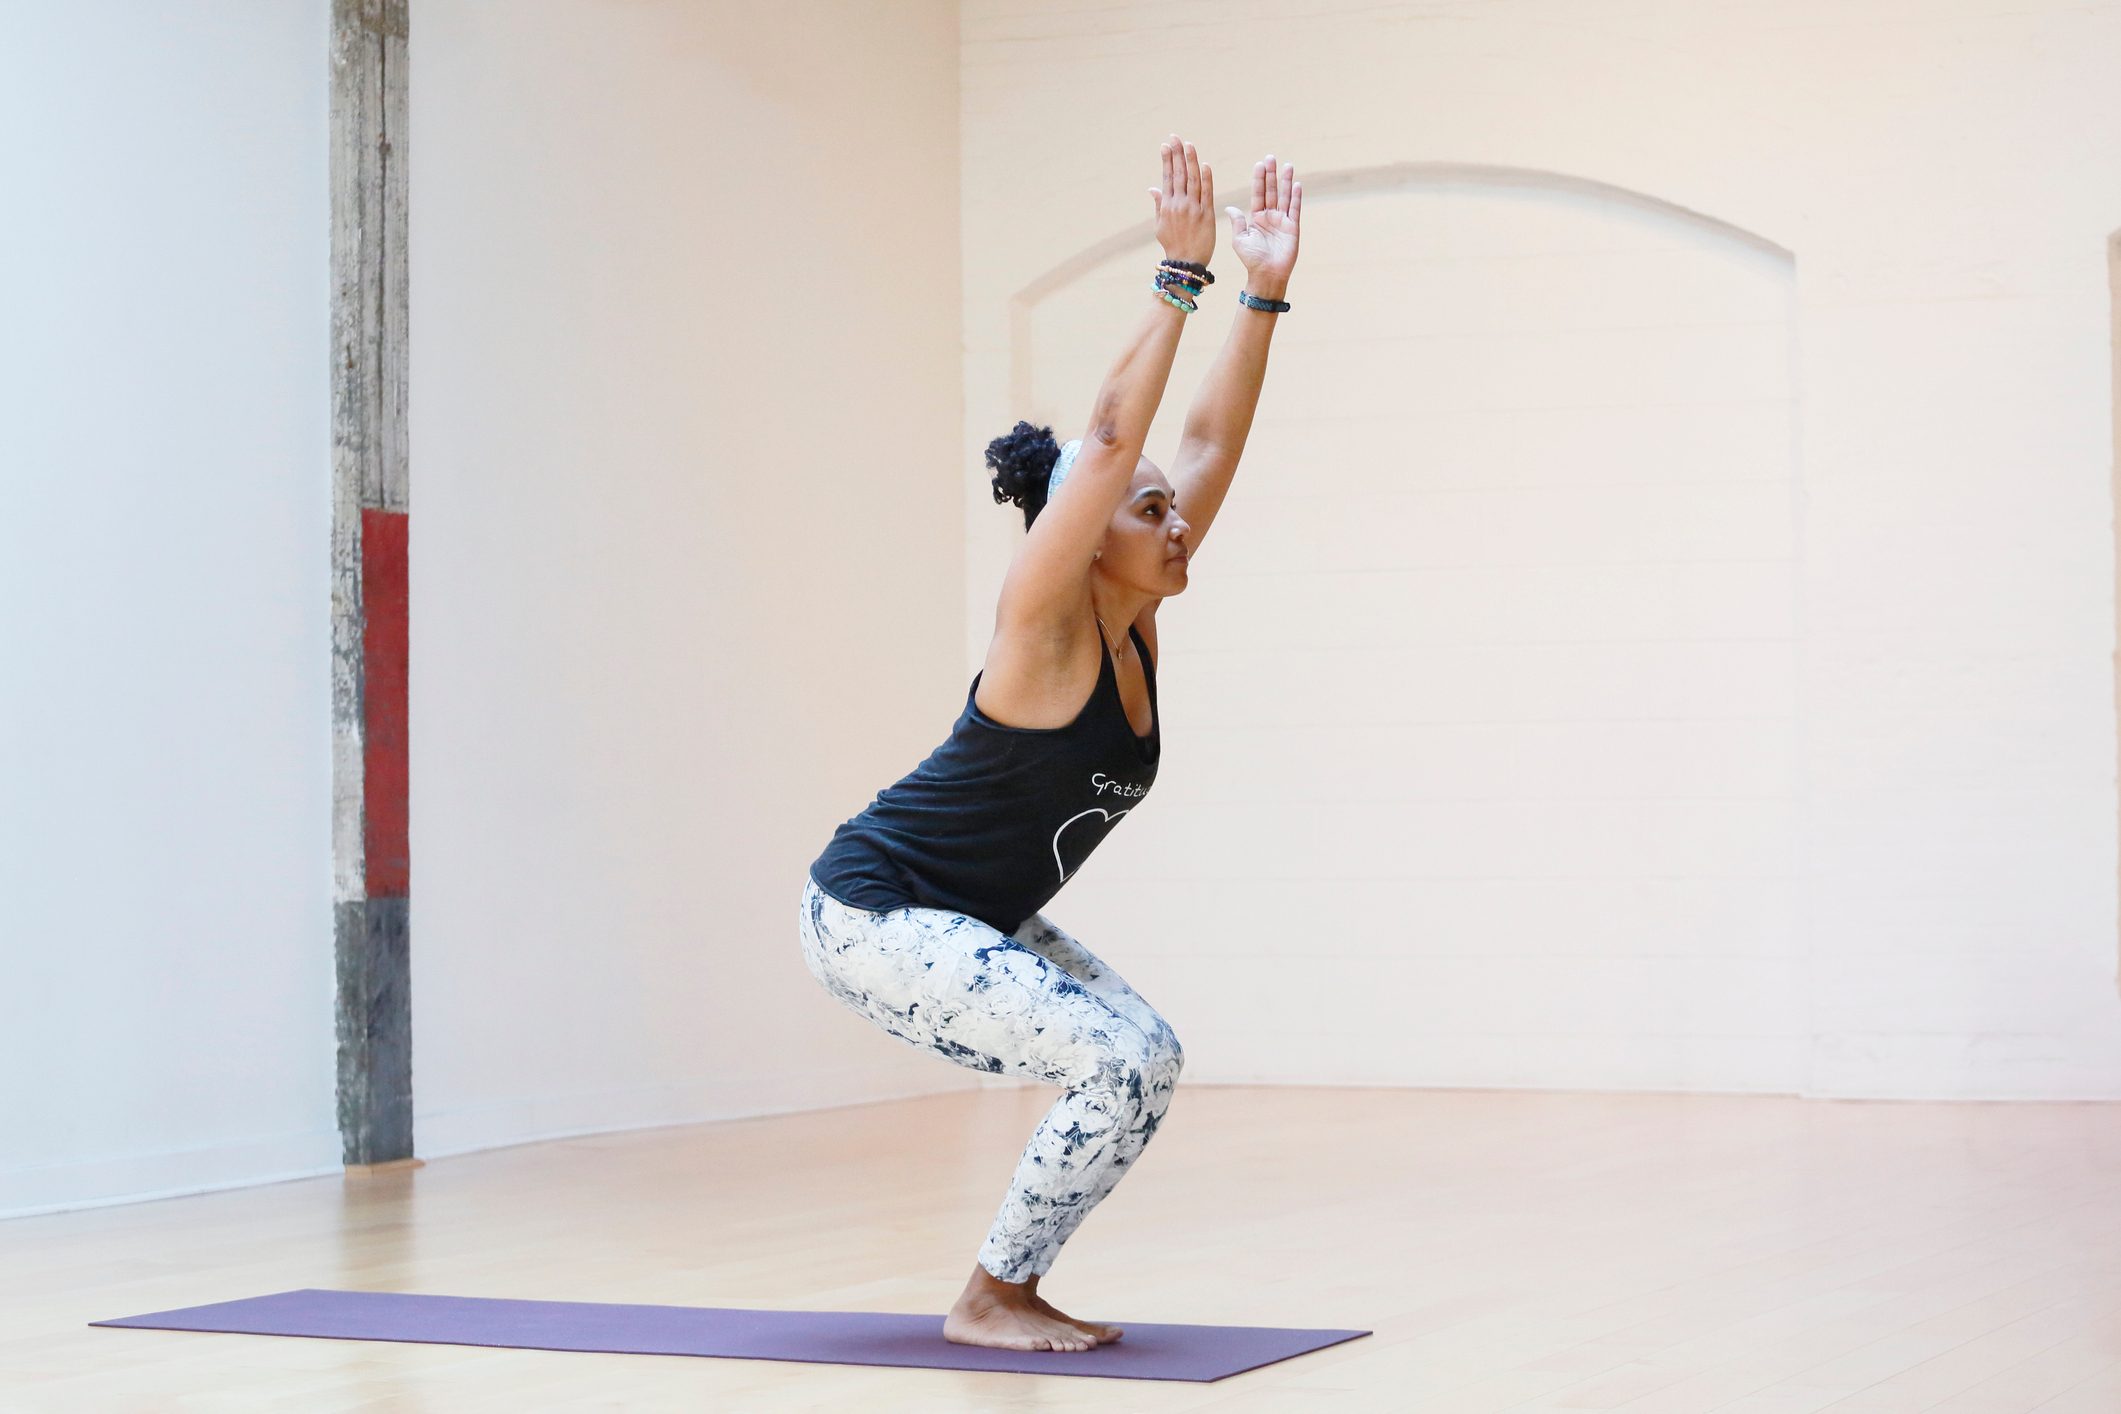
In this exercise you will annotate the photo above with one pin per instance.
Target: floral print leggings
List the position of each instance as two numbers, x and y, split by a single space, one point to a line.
1034 1003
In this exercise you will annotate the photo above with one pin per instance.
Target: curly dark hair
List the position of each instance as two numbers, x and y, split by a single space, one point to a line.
1022 459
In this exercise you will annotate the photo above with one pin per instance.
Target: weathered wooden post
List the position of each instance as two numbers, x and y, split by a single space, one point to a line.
371 888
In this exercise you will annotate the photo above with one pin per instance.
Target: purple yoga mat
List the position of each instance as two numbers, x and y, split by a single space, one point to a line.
1149 1350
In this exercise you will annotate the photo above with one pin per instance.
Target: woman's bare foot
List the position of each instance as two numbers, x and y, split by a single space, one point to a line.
1012 1327
1012 1316
1105 1334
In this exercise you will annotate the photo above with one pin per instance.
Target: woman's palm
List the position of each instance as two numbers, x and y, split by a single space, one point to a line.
1267 242
1266 239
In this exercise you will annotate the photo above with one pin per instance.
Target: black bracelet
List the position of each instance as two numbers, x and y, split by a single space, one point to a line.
1271 306
1193 265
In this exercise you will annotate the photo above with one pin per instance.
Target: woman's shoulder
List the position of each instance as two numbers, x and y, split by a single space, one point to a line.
1040 674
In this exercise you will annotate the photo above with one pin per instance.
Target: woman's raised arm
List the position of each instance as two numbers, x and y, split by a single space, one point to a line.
1185 228
1220 419
1047 574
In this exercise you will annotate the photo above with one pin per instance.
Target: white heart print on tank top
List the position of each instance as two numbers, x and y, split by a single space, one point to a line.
1093 810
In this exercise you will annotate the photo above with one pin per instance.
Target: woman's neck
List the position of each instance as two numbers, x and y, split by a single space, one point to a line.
1117 607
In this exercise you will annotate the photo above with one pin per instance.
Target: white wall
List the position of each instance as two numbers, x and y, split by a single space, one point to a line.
687 545
686 559
165 478
1660 635
1696 673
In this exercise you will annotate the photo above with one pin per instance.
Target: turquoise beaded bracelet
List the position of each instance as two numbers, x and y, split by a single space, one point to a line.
1189 276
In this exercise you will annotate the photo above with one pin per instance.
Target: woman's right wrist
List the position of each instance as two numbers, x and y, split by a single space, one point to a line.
1179 282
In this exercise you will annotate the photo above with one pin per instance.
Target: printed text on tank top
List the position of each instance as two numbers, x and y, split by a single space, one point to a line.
1105 660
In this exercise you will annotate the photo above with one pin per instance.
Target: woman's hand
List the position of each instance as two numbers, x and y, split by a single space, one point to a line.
1185 204
1266 239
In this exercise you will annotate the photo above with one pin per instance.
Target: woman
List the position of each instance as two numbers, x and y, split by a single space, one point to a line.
922 913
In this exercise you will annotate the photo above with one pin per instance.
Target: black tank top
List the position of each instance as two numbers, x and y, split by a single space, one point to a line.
992 822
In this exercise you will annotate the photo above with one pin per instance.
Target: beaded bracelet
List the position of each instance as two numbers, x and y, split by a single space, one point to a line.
1194 266
1176 301
1252 301
1167 278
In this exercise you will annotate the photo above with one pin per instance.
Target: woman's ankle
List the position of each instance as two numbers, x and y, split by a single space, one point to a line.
984 1283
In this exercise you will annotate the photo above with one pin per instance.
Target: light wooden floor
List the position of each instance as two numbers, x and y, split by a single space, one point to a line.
1513 1251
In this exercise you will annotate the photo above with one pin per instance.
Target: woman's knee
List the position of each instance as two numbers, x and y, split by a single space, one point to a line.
1164 1050
1150 1068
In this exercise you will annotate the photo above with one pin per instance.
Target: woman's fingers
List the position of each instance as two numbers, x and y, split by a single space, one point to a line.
1187 178
1274 185
1296 206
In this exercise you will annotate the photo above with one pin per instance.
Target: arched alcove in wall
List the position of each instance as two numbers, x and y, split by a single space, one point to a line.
1482 704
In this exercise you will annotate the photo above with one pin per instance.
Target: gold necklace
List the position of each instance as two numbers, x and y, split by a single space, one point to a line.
1106 636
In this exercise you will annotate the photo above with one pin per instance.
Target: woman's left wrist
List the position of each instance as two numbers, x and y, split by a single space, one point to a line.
1266 287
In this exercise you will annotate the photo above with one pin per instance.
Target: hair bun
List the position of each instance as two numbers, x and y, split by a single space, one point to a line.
1022 459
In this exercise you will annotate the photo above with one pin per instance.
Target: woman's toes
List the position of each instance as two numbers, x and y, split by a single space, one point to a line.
1098 1331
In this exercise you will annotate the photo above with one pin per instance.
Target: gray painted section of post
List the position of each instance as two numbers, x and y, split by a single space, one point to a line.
375 1029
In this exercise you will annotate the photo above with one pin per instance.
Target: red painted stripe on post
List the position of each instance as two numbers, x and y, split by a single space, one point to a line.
385 642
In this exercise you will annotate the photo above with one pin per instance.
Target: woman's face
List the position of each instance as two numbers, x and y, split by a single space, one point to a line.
1145 547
